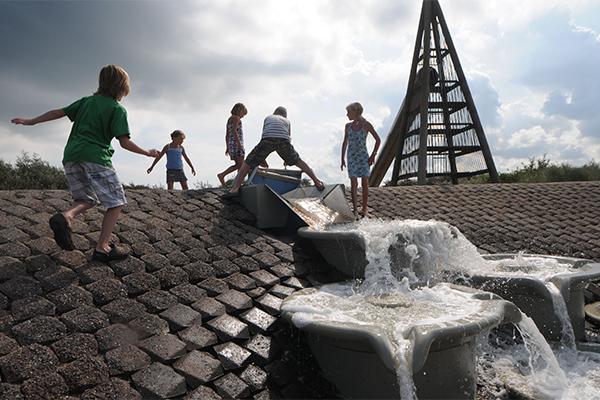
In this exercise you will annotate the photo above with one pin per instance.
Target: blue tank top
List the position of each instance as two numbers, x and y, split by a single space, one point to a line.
174 159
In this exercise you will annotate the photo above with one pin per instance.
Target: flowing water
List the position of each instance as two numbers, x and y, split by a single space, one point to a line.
406 262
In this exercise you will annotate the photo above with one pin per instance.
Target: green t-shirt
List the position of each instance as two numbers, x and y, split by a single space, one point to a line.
96 121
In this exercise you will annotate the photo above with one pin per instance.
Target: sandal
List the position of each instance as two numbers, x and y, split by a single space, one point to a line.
63 235
113 254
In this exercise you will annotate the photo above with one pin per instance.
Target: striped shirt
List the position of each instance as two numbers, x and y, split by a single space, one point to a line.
276 126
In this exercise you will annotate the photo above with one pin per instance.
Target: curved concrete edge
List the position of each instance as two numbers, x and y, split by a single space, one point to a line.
423 336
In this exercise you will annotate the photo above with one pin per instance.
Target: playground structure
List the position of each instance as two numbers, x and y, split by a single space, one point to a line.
437 131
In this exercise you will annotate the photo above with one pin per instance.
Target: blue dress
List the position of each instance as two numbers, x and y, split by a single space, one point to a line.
358 156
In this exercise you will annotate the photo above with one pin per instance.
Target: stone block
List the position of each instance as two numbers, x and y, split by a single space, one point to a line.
114 336
270 303
264 348
43 330
155 261
241 282
209 307
229 328
130 265
85 319
231 355
202 393
157 300
11 268
140 282
149 325
196 337
163 347
32 306
126 360
69 298
264 278
45 386
258 320
254 377
198 368
187 293
106 290
180 317
20 287
123 310
8 344
93 272
74 346
159 381
232 387
27 362
214 286
234 301
84 373
56 277
113 389
281 291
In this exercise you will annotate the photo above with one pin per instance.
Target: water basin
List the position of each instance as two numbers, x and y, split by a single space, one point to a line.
397 344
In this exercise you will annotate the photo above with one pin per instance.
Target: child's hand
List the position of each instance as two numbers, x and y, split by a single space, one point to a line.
372 159
149 170
193 172
19 121
343 165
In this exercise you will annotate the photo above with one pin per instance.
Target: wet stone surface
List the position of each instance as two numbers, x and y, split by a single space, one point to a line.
193 312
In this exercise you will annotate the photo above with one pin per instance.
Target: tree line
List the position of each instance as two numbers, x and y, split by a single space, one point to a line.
33 173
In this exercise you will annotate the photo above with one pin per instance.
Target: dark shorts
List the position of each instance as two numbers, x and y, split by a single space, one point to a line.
266 146
176 175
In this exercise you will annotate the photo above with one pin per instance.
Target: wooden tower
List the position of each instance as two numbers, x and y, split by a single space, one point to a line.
437 131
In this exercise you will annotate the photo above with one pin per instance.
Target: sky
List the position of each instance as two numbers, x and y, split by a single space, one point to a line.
532 67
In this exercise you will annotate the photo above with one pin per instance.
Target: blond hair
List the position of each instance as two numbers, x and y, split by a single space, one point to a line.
239 109
113 82
356 106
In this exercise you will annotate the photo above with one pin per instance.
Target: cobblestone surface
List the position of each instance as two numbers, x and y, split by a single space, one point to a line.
193 312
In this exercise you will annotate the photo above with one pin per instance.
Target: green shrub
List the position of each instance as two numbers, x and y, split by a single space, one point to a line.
31 173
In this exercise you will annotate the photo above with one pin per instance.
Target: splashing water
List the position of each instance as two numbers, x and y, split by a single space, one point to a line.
407 258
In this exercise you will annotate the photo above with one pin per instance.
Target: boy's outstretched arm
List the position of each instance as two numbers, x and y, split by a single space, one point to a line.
49 116
128 144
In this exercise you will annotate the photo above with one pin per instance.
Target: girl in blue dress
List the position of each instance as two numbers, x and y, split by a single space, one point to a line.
359 161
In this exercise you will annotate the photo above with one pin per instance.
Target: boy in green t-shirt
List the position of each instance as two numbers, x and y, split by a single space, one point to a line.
87 157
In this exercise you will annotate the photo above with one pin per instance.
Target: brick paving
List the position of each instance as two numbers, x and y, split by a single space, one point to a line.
193 312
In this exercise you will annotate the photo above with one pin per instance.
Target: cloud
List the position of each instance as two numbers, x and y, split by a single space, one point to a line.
190 61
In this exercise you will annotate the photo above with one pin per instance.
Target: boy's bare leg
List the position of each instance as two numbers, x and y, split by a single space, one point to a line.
184 185
240 177
108 224
308 171
170 185
77 208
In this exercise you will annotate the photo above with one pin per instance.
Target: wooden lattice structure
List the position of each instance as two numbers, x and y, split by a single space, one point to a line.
437 131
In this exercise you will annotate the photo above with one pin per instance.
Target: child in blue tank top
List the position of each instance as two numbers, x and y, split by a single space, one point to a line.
175 152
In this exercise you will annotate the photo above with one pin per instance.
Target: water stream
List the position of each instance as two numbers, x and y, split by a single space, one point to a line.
407 261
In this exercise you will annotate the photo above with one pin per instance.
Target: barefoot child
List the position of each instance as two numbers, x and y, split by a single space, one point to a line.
97 119
234 140
359 161
276 136
175 152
